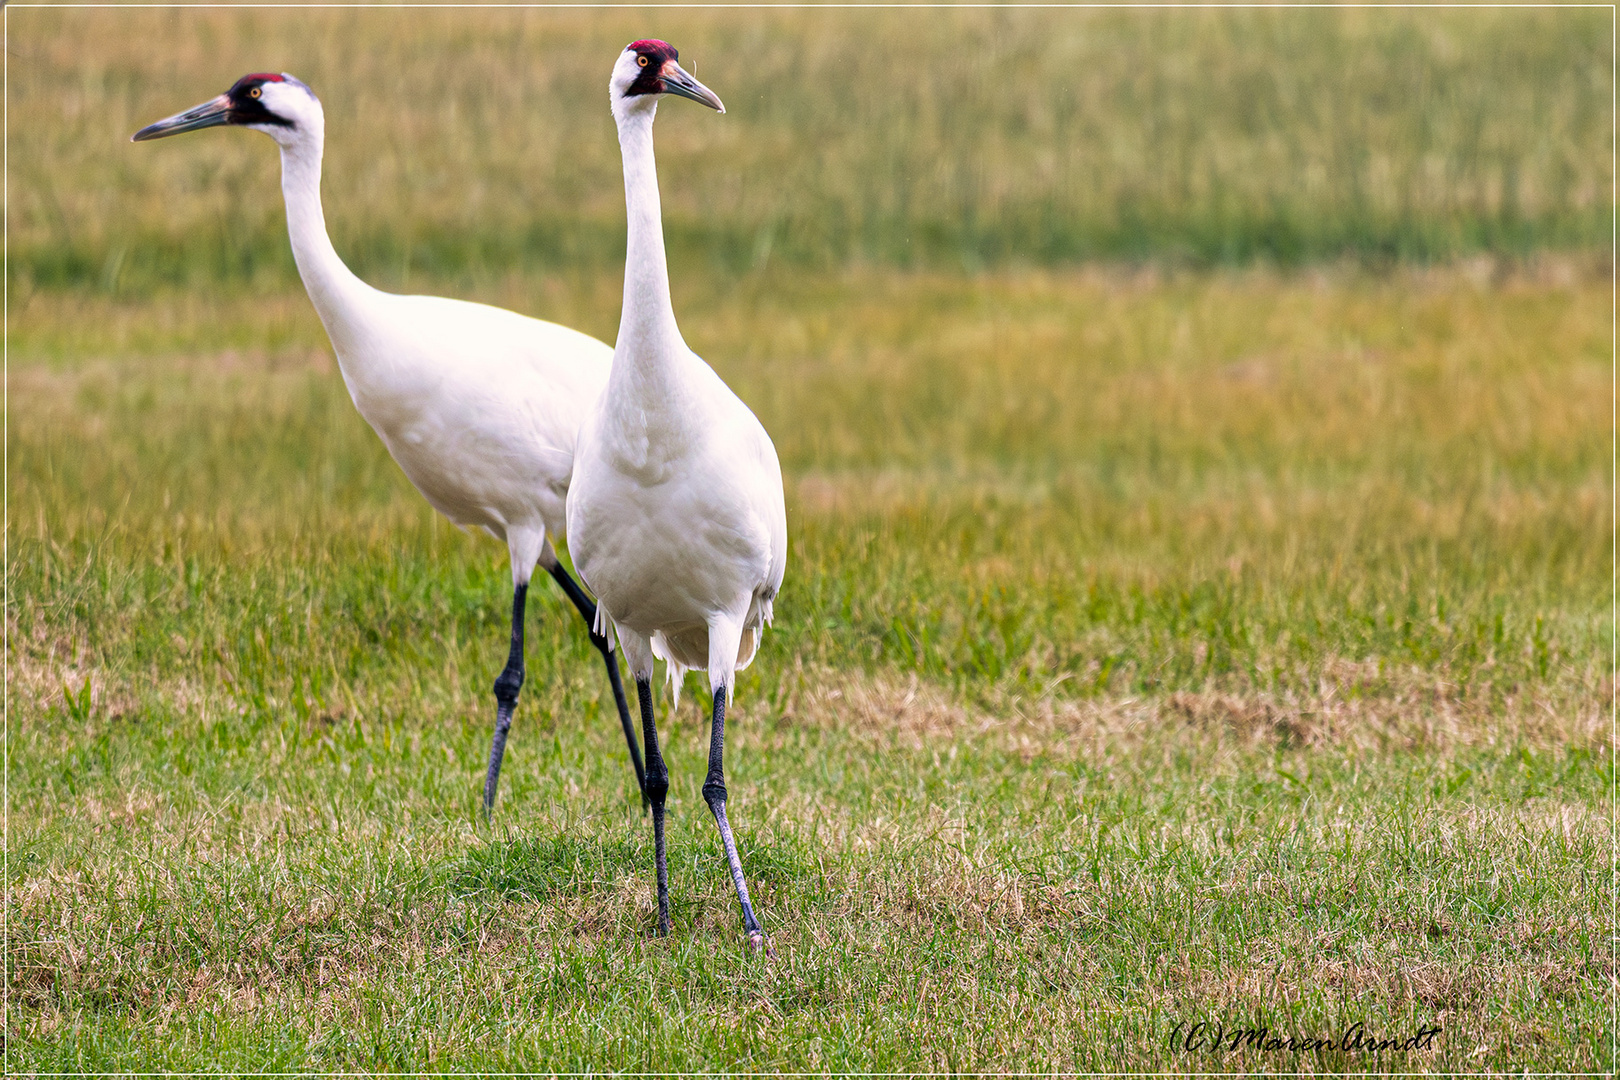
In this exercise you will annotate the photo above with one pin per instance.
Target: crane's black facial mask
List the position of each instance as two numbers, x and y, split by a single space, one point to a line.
241 104
652 55
247 100
660 74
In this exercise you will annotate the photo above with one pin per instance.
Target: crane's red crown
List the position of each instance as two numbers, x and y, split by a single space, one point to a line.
652 55
257 77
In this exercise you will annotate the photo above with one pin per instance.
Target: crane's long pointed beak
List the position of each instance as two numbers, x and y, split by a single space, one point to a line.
208 114
678 82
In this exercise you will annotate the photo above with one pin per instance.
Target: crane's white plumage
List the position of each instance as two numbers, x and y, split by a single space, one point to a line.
676 503
479 406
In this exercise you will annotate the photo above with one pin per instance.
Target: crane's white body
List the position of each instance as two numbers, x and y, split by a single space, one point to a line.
479 406
676 511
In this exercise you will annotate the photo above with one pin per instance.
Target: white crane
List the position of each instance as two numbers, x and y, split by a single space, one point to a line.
479 406
676 504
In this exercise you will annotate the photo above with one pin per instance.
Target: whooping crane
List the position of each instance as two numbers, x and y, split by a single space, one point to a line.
676 504
479 406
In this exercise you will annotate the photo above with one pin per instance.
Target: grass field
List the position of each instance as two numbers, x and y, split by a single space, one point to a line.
1218 635
462 143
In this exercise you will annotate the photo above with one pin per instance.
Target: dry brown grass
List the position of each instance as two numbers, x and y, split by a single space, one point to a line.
1357 707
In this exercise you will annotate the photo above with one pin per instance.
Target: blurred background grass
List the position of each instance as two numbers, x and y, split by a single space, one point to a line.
462 143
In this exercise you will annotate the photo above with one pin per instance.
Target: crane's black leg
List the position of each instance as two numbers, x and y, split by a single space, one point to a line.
507 685
657 788
587 609
714 793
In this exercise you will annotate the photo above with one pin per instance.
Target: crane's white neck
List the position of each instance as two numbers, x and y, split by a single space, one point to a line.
647 331
332 287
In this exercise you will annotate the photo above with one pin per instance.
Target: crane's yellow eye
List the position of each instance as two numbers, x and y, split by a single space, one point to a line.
254 92
642 60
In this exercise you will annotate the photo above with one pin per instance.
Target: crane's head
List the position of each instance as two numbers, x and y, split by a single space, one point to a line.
647 69
278 105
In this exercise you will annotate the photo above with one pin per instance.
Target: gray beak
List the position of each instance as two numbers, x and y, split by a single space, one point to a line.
208 114
677 81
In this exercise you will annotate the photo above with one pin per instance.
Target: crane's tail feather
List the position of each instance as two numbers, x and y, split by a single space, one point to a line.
688 650
674 665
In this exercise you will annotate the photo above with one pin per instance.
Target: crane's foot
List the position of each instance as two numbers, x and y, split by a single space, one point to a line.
759 943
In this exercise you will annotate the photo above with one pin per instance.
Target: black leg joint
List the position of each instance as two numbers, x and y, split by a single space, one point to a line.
507 685
657 781
714 793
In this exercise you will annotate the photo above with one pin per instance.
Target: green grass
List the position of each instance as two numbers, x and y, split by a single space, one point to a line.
1263 679
1160 644
1229 482
322 905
